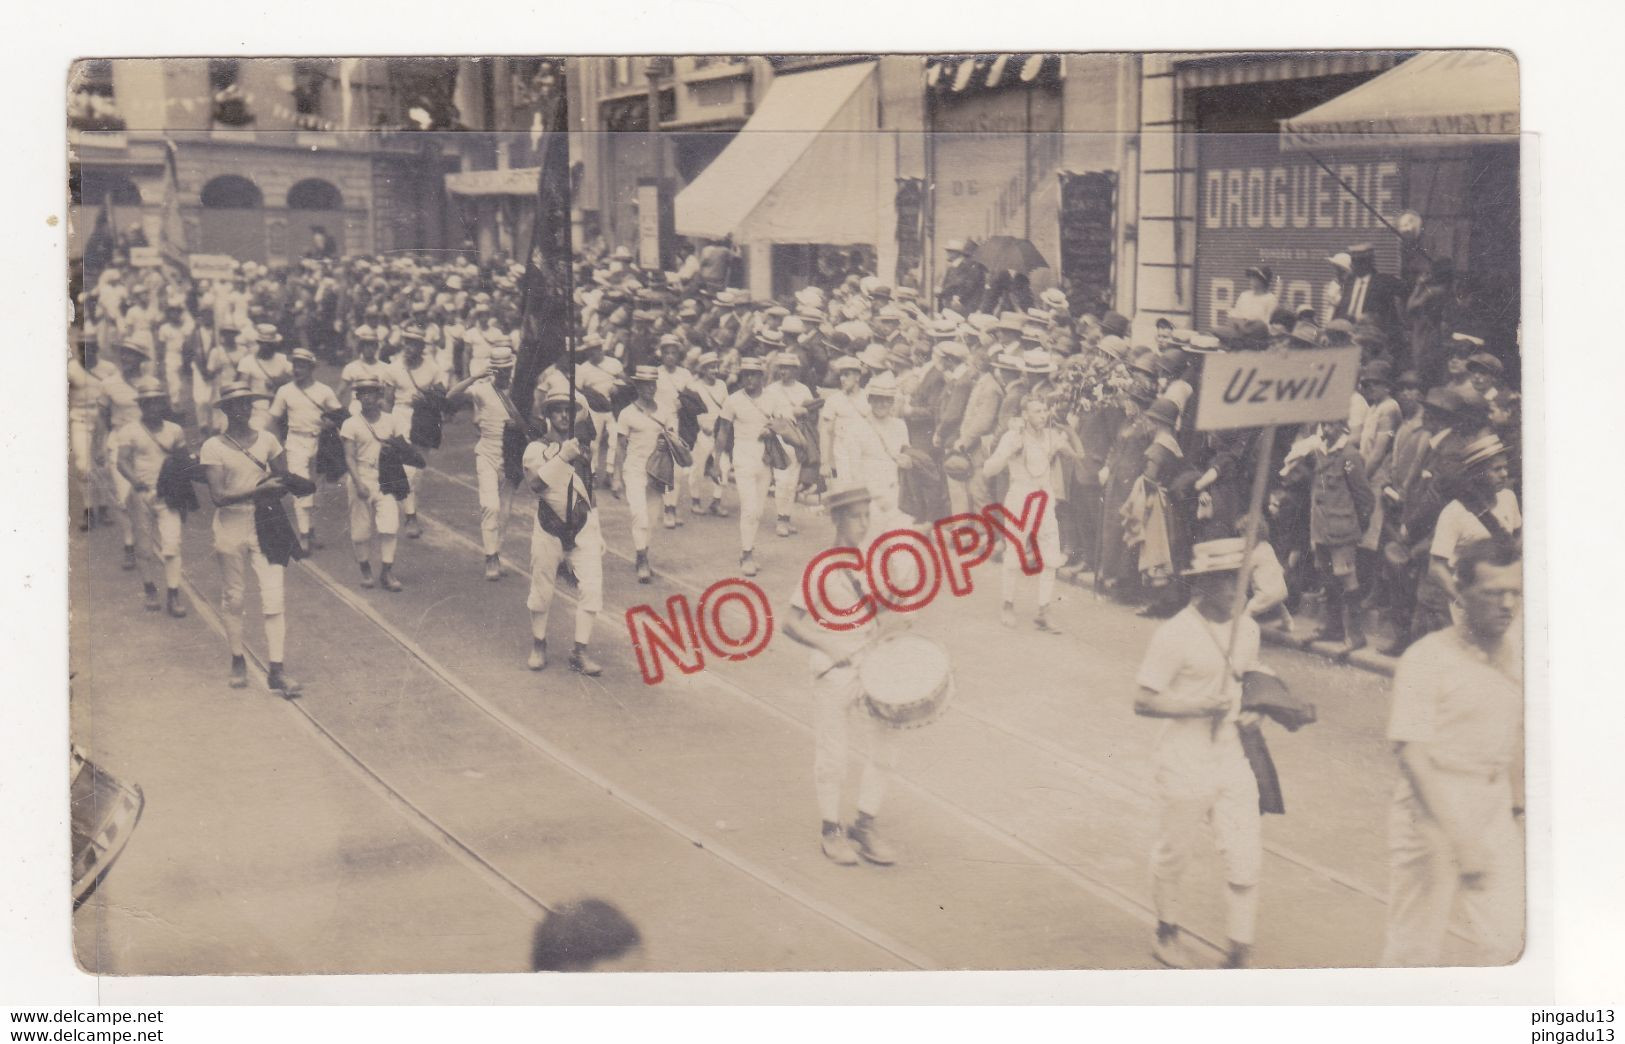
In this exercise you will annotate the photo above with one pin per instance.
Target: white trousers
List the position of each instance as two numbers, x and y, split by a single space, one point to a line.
700 487
82 447
158 539
837 712
752 481
785 482
1227 800
496 499
236 556
381 517
301 450
635 477
1424 881
586 561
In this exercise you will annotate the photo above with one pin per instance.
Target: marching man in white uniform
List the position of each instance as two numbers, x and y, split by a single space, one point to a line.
1454 834
242 465
554 467
409 375
637 432
372 511
303 402
1192 680
838 691
671 380
789 399
120 407
493 411
747 412
143 447
713 391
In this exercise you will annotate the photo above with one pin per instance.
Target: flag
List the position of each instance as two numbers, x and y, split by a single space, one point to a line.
171 230
546 324
99 247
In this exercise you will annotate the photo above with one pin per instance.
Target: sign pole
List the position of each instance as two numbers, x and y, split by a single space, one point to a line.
1255 511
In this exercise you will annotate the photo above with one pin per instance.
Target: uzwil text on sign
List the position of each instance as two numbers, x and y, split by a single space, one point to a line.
1253 389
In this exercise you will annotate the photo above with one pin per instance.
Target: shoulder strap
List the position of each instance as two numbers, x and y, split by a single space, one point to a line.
257 462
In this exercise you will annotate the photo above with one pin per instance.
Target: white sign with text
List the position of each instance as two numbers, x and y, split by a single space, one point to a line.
1254 389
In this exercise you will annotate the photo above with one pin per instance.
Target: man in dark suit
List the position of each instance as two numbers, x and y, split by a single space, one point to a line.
1372 295
963 281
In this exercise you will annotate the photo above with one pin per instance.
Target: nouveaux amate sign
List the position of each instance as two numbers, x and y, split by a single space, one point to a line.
1254 389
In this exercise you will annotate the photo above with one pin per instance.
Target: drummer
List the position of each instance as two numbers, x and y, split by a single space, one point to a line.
837 695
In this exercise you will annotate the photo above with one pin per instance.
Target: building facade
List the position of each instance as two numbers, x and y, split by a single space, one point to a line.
266 151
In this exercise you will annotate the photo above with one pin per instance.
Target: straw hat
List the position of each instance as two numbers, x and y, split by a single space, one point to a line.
1226 555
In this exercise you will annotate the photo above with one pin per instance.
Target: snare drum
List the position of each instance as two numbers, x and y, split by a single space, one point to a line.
906 680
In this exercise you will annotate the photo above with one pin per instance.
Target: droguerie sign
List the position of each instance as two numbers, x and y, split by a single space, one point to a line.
902 571
1255 389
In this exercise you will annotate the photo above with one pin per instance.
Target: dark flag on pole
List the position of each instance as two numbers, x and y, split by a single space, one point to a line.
103 241
171 230
547 296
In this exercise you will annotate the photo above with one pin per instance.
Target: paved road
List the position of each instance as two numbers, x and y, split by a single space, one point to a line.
429 798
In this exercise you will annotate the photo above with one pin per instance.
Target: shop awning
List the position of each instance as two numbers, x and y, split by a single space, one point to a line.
513 181
803 169
1435 98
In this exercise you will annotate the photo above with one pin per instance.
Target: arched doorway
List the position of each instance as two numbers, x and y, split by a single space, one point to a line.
233 218
315 204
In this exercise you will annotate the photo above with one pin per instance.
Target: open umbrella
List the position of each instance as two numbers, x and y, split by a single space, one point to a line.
1007 253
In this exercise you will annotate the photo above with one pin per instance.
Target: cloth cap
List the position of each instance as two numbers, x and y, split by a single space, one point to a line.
1485 362
1163 410
955 246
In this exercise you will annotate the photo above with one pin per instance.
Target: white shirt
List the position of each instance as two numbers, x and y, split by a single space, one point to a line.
1186 658
490 414
235 522
304 407
262 374
668 383
640 431
146 449
749 417
368 438
407 383
358 369
1457 527
551 476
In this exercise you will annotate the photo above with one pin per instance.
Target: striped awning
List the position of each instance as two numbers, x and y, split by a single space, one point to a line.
969 72
1238 67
